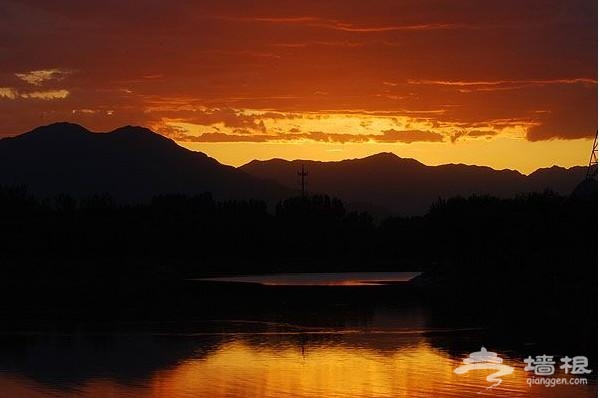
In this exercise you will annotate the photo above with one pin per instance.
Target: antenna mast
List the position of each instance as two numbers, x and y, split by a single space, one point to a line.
592 170
302 174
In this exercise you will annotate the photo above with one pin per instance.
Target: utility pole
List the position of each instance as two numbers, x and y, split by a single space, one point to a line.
303 174
592 170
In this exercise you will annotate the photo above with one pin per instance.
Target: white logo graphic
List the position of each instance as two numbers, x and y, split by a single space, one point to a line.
485 359
543 365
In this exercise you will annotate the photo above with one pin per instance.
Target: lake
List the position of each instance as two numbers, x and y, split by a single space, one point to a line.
320 278
336 340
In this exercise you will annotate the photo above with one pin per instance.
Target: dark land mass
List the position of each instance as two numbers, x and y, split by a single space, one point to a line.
131 164
75 249
387 184
95 258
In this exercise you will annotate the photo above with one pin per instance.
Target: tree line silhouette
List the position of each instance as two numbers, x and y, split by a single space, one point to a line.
94 257
183 235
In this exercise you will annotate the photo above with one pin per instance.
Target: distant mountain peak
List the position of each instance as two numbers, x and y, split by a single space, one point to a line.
130 163
62 133
67 128
391 158
61 128
375 158
551 168
406 186
384 155
62 125
132 129
140 133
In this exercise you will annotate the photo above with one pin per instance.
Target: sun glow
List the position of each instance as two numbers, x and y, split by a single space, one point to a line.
263 135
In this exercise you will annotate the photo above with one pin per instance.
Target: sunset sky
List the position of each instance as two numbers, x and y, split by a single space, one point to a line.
509 84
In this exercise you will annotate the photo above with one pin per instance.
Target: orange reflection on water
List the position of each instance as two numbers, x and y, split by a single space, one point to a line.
330 369
239 370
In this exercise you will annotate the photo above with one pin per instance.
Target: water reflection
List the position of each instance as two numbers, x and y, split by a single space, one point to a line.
320 278
367 342
351 363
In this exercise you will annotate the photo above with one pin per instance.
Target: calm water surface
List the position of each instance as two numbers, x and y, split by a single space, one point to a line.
321 278
336 350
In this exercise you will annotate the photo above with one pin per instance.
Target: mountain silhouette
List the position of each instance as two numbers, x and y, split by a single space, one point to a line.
134 164
130 163
408 187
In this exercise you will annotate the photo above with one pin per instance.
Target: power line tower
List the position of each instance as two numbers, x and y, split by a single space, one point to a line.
592 170
303 174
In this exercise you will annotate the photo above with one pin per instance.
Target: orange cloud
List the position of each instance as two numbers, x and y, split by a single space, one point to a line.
11 93
37 77
471 86
335 24
47 95
7 92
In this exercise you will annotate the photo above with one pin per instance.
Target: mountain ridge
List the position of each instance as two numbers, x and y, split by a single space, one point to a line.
133 163
130 163
406 186
393 155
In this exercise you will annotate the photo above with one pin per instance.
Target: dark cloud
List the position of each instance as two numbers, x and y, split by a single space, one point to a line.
409 136
576 117
471 133
390 136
